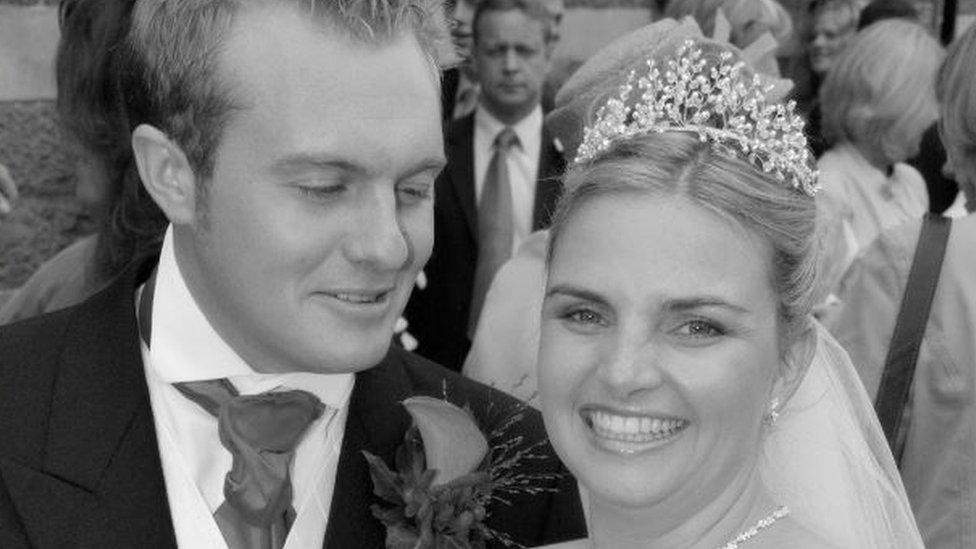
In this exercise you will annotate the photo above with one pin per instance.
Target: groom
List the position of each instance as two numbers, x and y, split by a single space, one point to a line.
293 145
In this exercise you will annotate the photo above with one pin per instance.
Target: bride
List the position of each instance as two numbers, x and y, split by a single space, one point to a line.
682 378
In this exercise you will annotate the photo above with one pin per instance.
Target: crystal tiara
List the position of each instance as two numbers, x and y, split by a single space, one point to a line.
715 102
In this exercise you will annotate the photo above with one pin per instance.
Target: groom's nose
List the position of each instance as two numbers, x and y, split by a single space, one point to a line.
376 236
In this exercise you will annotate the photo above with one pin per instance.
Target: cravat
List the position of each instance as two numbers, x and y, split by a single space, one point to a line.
495 223
261 432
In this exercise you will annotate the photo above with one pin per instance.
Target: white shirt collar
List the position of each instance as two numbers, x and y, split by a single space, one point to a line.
527 129
185 347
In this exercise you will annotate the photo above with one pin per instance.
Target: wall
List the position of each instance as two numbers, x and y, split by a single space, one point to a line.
46 217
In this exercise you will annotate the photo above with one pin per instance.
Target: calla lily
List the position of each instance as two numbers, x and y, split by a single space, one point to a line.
453 444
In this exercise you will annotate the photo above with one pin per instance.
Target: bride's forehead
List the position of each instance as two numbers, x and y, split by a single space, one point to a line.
635 226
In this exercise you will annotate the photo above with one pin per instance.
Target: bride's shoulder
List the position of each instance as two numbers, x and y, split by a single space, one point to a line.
790 534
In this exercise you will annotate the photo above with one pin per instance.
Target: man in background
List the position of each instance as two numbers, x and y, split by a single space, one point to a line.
501 180
460 86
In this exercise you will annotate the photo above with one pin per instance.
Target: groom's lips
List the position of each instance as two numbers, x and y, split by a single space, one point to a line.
359 299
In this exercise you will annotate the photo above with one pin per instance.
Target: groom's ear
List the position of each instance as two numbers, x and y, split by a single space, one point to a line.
795 363
166 174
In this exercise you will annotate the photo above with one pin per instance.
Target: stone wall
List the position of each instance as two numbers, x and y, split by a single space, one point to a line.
46 218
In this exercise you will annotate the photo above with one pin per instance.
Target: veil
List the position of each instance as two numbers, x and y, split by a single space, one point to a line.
827 459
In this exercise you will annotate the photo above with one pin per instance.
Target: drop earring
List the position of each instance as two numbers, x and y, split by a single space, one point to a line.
772 414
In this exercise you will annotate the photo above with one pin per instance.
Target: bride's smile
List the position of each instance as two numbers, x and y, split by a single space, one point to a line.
629 433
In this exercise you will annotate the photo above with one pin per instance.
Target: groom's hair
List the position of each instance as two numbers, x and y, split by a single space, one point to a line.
169 68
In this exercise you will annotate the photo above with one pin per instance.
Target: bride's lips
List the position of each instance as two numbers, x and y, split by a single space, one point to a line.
626 432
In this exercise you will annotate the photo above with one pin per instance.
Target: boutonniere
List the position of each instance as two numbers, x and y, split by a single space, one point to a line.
447 472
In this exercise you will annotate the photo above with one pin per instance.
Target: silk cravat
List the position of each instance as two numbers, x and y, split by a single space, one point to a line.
261 432
496 226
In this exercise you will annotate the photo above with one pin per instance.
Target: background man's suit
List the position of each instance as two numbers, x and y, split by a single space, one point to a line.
438 314
79 463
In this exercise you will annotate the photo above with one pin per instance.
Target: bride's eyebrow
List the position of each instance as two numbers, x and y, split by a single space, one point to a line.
577 292
700 302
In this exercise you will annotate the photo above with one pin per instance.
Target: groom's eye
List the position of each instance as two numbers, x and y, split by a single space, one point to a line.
321 192
411 192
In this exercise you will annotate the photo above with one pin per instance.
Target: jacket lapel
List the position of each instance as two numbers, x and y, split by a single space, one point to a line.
101 481
549 181
376 423
460 149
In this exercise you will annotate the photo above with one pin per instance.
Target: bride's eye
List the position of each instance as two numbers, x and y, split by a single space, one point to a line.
699 329
584 317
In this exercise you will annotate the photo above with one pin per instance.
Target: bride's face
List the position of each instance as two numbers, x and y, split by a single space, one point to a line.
659 351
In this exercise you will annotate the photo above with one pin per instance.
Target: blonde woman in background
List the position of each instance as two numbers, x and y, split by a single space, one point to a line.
877 101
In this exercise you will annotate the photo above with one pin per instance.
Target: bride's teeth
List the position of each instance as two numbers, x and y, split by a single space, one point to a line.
633 428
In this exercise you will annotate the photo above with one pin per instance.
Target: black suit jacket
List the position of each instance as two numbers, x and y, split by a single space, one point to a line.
438 314
79 464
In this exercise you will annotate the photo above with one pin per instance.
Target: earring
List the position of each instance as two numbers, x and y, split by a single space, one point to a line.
773 413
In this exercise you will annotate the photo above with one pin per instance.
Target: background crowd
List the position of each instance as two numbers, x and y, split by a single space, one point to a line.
891 119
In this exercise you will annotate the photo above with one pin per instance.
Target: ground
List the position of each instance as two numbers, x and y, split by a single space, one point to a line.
47 217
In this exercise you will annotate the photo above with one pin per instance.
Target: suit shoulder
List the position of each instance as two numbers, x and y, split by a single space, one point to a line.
460 128
30 358
32 341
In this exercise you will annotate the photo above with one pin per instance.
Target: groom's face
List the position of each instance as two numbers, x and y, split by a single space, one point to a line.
319 213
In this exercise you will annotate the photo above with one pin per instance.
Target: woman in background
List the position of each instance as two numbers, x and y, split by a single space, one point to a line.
877 100
107 179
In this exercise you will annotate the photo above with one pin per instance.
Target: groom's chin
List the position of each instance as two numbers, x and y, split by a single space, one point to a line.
349 353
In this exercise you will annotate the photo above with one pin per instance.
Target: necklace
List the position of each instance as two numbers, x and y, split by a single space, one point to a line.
763 523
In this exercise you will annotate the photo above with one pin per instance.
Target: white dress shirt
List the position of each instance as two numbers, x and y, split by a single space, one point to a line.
185 347
523 163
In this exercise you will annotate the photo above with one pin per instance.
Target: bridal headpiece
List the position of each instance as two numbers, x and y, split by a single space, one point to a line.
716 102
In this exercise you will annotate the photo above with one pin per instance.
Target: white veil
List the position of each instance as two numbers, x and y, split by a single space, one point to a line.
827 459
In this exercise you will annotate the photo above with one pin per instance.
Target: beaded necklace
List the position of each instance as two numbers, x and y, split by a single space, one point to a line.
763 523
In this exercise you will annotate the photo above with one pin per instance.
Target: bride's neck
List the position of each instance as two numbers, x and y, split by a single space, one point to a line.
692 524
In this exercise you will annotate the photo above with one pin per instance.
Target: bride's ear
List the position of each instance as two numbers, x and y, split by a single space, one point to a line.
795 363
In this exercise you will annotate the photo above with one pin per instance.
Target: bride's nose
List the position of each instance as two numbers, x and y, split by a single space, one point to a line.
631 362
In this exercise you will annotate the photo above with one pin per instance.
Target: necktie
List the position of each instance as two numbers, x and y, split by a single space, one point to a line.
495 223
261 432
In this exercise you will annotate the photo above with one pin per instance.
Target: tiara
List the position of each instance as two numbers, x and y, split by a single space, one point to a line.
719 105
